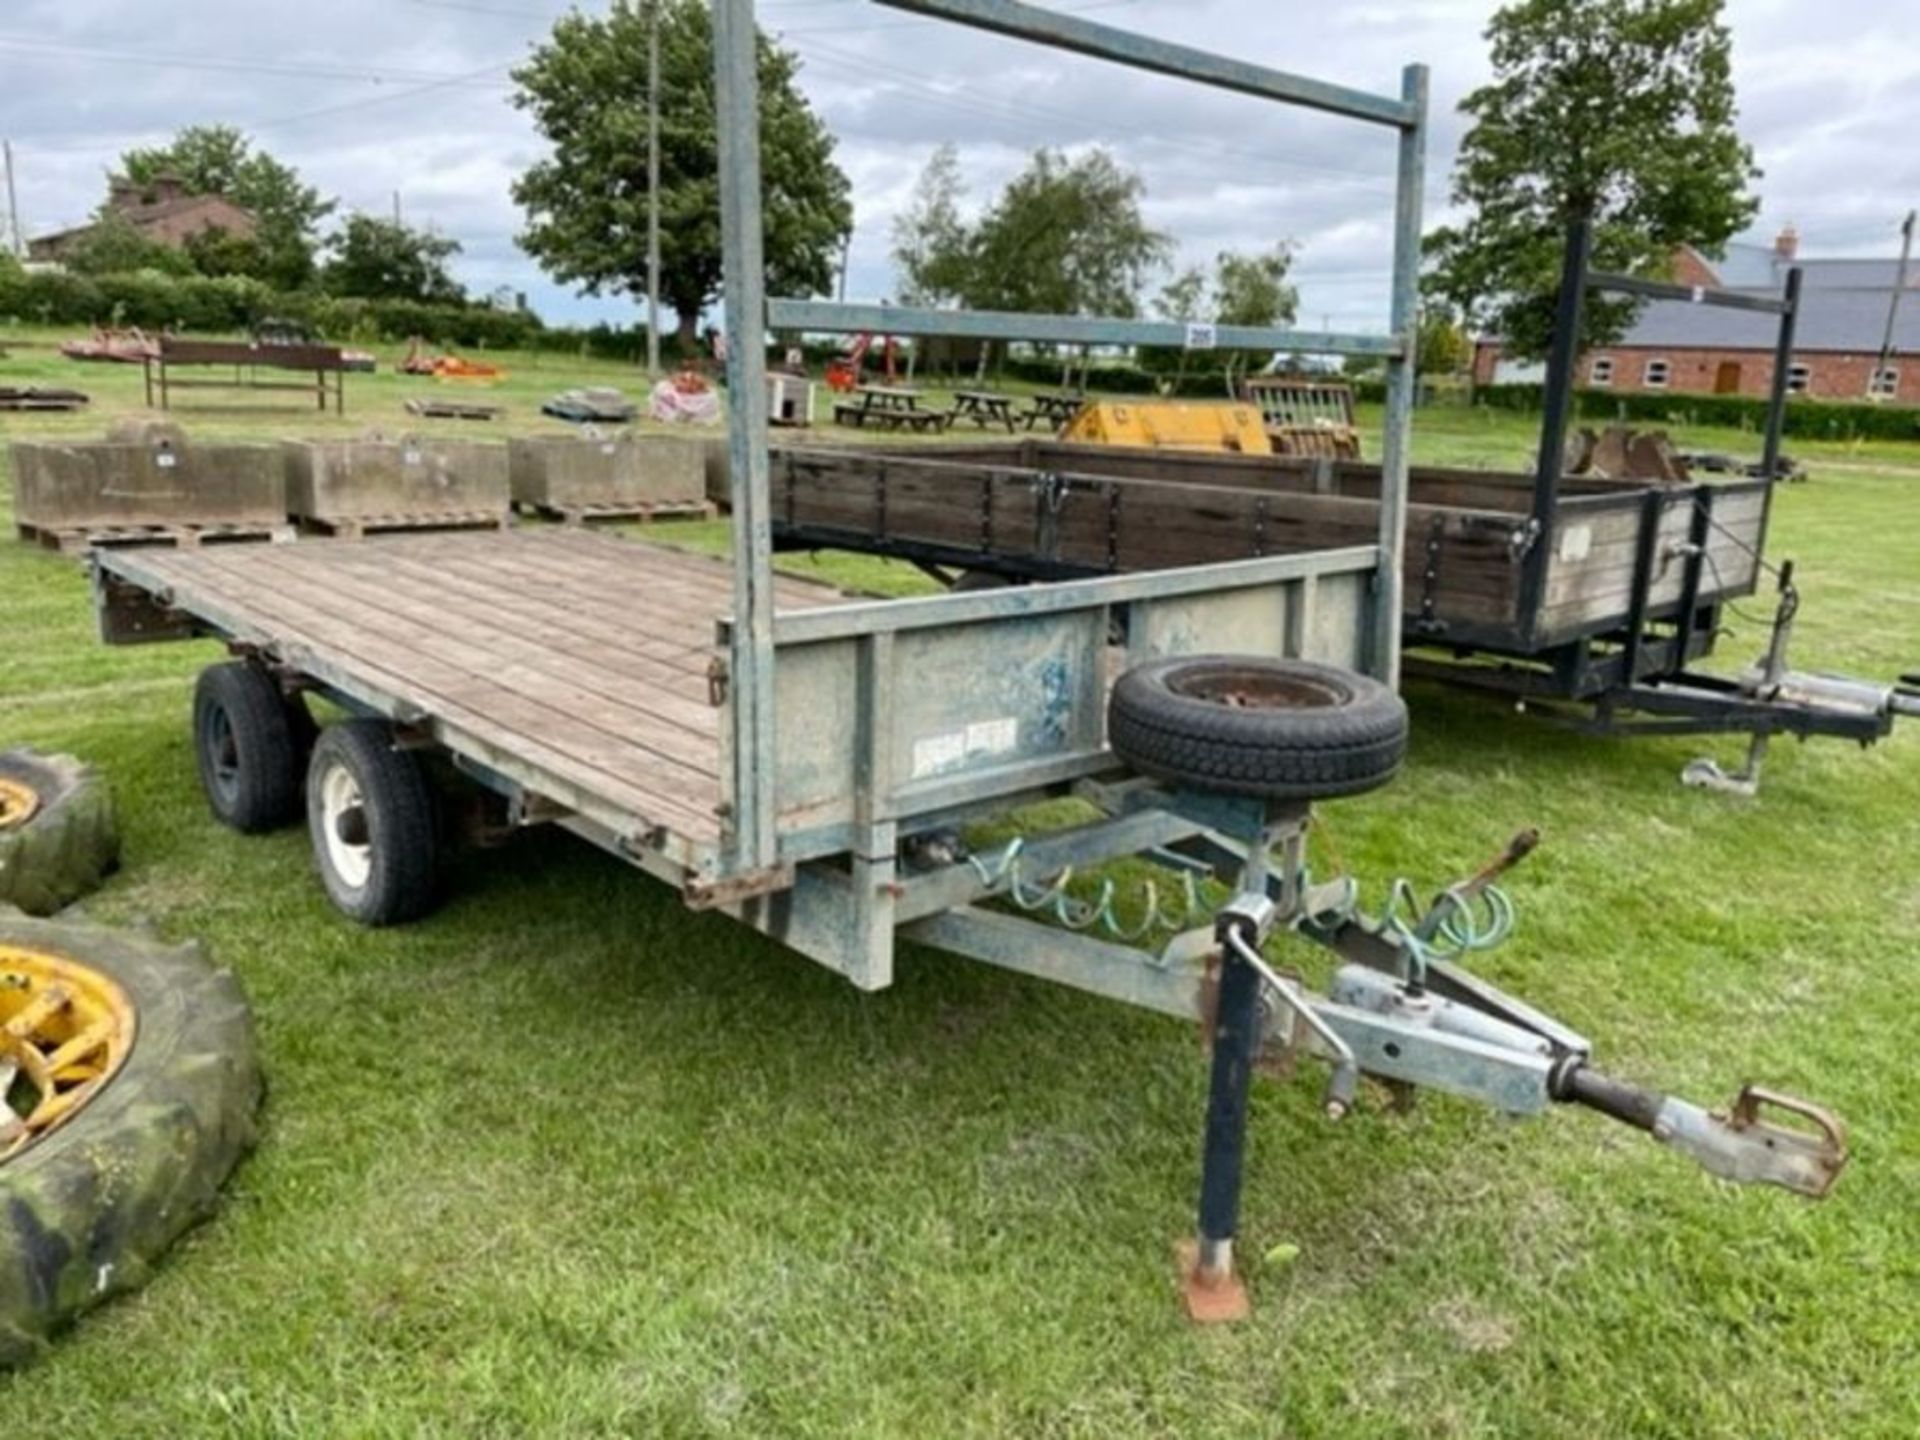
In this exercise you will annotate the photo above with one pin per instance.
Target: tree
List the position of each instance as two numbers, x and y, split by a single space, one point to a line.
1442 347
931 242
1253 289
1184 298
586 205
220 160
1066 237
1622 110
114 245
1243 290
377 259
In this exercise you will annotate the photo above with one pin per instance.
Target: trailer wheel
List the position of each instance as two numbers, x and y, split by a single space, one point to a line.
134 1088
250 742
1284 729
370 812
57 835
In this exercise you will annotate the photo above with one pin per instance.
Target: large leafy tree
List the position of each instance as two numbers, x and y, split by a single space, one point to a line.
385 260
1619 110
1066 237
931 241
586 204
220 160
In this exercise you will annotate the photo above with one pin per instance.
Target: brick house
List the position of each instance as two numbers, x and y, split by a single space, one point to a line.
162 210
1705 350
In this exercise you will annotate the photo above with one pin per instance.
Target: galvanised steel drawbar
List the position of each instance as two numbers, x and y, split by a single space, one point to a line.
817 767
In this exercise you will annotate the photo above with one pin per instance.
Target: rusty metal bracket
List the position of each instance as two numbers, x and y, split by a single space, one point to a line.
704 892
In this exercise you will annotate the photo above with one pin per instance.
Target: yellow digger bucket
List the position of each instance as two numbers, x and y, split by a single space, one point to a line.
1171 425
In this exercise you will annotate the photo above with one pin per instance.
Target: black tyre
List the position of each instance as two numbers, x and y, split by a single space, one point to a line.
57 833
370 812
1284 729
90 1200
250 742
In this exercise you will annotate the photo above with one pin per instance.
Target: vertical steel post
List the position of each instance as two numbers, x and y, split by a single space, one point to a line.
743 279
653 188
1782 363
1402 376
1556 410
18 240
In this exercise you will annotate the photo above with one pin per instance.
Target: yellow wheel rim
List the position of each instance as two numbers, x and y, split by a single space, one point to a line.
18 803
65 1029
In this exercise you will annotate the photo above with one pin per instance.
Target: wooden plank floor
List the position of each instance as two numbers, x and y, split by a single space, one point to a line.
582 654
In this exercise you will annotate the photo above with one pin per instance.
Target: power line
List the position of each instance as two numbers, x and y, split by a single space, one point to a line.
203 62
926 87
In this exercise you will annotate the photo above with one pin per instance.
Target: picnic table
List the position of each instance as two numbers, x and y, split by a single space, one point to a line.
247 359
892 407
1056 407
984 408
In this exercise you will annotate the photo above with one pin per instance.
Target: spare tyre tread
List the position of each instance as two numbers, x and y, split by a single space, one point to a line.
71 842
87 1210
1304 754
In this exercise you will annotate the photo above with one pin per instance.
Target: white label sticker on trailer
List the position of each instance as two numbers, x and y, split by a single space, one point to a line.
993 737
939 752
1201 337
1576 542
936 754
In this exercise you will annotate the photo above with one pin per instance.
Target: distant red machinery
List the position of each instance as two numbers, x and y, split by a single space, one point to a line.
843 374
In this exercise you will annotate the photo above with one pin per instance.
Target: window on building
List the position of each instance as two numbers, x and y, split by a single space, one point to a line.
1600 370
1885 384
1657 374
1799 377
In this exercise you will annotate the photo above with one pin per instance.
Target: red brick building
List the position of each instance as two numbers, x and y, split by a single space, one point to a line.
162 211
1701 349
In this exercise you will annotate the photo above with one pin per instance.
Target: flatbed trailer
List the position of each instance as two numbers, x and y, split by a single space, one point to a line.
814 765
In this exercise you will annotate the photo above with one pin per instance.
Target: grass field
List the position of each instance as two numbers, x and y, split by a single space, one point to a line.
567 1159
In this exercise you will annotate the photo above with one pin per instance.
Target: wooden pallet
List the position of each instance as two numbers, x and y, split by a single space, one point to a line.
78 540
358 527
453 410
38 398
643 513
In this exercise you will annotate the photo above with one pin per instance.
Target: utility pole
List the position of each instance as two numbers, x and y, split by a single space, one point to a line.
13 205
396 209
846 258
1893 310
653 187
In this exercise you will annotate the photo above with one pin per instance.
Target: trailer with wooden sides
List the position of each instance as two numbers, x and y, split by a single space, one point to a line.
819 767
1607 601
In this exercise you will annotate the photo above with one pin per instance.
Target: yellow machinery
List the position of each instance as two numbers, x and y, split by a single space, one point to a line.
1171 425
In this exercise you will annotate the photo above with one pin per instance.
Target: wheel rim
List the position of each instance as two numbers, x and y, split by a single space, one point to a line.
343 815
223 752
19 803
1259 690
65 1031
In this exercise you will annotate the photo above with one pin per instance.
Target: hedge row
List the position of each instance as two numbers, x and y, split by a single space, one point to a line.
1812 419
206 304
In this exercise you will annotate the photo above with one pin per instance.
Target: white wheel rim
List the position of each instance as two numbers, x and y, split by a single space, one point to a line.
339 793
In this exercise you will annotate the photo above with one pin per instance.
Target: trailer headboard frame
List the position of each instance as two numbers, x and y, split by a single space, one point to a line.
757 760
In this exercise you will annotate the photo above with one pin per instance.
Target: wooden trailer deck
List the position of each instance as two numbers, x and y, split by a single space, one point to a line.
579 660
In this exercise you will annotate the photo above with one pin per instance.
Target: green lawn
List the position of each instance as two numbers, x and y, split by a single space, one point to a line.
567 1159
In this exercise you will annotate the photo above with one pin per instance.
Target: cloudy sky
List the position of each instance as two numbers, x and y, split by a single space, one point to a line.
367 97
